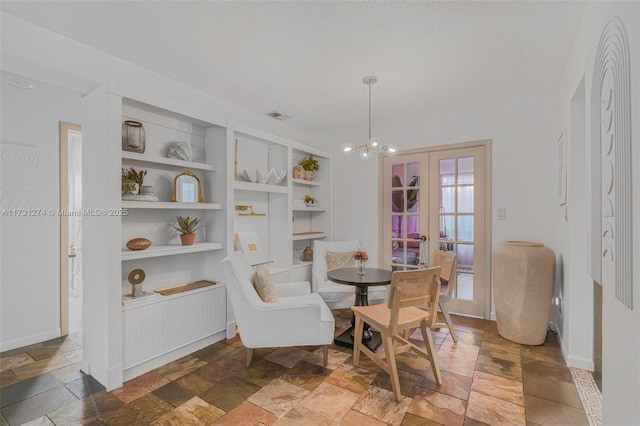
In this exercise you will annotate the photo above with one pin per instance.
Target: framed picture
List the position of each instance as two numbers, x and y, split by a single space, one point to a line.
561 184
249 244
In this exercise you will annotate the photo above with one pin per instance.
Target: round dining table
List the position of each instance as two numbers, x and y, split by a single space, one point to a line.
371 277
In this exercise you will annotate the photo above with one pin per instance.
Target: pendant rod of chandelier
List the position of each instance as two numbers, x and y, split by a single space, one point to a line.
373 145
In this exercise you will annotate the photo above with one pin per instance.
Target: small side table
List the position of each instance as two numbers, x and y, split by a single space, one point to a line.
349 276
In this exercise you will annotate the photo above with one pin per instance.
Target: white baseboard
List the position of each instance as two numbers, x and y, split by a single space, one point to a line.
114 378
571 360
30 340
493 316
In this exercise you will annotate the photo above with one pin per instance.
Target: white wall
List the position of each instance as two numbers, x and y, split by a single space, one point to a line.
30 277
620 329
523 165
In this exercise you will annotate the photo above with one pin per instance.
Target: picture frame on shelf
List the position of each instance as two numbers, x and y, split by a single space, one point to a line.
187 188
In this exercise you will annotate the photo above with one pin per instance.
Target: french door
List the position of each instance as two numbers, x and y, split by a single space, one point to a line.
435 200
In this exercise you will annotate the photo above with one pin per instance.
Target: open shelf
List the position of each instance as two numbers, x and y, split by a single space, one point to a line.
261 187
168 250
308 236
129 303
167 161
309 209
169 205
303 182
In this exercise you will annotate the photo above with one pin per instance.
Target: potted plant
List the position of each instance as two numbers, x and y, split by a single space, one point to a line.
187 226
132 180
310 165
309 201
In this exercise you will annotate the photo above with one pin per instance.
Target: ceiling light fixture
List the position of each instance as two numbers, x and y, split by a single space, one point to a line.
373 145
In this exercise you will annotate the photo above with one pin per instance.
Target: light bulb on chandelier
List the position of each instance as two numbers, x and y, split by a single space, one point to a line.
373 145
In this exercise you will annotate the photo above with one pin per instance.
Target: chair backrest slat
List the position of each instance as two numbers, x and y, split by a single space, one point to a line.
447 261
420 287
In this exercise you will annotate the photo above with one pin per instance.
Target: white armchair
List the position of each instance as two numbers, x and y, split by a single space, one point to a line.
338 296
298 318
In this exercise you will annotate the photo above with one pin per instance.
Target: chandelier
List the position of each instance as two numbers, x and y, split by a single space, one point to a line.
373 145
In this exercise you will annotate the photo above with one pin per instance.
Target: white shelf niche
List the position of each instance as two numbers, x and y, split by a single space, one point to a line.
303 182
260 187
313 236
167 161
169 250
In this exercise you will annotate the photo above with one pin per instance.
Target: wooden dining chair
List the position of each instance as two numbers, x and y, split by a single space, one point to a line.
446 260
408 290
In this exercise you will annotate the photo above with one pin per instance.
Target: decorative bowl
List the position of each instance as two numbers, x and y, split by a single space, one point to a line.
138 244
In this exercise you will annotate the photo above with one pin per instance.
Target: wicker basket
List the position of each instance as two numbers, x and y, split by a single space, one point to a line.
138 244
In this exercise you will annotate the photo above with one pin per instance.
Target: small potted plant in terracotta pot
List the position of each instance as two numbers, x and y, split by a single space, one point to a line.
310 165
187 226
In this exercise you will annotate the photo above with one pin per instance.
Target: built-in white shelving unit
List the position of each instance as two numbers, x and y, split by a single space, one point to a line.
166 161
169 250
170 206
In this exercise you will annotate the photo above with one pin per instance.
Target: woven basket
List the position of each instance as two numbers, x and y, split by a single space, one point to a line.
138 244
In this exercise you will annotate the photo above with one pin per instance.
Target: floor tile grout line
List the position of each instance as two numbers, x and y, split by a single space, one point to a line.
592 409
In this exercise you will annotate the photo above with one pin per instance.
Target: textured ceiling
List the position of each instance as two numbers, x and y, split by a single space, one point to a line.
307 59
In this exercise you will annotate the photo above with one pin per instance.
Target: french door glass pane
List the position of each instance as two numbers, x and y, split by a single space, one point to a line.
447 171
398 226
465 170
465 199
413 172
397 201
465 228
447 230
465 257
397 175
413 200
447 200
465 286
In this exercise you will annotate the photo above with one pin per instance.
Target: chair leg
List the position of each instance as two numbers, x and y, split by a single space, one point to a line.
357 339
249 356
428 342
390 354
325 355
447 319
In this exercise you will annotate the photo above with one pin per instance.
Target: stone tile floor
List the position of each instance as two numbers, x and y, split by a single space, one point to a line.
486 380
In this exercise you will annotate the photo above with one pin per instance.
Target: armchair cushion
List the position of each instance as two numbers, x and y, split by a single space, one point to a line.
339 259
263 284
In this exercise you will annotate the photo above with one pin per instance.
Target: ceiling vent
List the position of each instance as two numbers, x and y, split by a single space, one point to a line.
277 115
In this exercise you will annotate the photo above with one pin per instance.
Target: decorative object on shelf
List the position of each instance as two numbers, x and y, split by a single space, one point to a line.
138 244
361 258
140 198
310 201
310 165
132 180
181 288
298 172
272 177
523 275
133 136
147 190
187 188
307 254
187 226
135 279
251 212
373 145
182 151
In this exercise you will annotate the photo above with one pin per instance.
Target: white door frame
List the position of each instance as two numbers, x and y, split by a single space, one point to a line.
65 128
486 144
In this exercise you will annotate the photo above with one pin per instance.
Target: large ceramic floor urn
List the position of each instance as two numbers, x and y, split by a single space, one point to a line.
523 275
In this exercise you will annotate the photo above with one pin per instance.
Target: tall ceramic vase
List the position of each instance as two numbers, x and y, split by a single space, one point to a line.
523 276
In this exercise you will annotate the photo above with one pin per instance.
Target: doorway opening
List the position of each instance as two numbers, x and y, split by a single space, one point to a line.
71 231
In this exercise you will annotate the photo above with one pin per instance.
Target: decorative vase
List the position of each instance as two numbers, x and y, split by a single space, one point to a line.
308 174
298 172
307 254
146 190
523 275
188 239
360 265
133 136
311 203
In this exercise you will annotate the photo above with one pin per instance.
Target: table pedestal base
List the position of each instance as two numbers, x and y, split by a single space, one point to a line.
346 339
